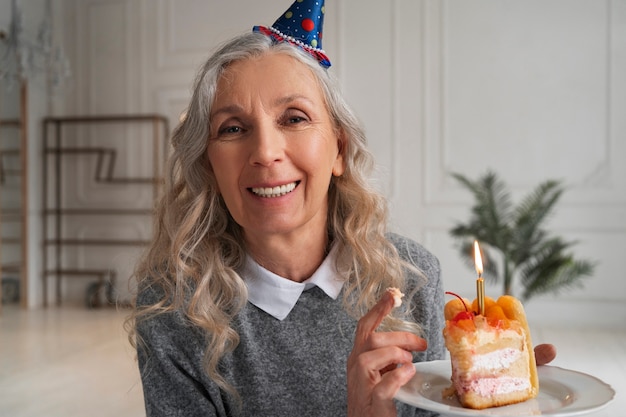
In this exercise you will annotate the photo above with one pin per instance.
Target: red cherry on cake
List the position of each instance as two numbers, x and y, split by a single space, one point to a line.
463 315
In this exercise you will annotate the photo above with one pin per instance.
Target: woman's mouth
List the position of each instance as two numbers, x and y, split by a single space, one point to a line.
271 192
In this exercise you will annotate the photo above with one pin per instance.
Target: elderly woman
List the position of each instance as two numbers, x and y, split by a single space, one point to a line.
269 246
264 290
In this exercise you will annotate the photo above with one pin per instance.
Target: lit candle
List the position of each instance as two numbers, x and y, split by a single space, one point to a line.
480 282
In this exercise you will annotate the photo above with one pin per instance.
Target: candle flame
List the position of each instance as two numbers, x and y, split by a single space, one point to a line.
478 260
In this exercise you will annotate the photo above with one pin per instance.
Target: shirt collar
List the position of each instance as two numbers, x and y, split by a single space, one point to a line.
277 295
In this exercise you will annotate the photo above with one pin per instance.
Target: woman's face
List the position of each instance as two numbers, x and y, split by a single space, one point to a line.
273 147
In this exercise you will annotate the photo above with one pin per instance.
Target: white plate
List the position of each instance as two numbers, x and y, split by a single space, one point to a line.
561 393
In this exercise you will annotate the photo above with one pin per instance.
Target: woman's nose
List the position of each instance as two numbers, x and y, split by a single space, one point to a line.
267 145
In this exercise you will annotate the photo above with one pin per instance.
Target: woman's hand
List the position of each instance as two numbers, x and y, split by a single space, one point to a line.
379 364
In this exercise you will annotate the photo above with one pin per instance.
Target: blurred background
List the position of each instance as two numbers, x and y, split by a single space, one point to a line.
91 89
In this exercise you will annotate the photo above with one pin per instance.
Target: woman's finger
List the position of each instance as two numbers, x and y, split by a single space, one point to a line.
544 354
382 403
372 319
373 361
393 380
405 340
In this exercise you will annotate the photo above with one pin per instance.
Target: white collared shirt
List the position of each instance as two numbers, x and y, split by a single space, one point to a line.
277 295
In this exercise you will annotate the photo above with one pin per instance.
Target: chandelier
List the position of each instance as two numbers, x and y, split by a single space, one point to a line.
23 57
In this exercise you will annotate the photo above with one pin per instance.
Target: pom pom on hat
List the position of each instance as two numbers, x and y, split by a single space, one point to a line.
301 25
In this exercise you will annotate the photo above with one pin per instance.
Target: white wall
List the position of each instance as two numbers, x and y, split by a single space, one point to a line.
532 89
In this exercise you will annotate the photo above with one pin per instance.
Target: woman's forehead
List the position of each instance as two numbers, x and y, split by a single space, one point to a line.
270 74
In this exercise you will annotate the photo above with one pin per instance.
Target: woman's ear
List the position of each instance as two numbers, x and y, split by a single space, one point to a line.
339 166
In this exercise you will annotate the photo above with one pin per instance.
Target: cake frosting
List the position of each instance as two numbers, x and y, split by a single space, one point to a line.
397 296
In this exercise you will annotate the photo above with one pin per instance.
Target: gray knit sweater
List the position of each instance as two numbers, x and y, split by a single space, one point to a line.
293 367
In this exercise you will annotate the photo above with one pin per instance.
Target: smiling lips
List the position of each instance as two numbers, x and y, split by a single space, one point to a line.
271 192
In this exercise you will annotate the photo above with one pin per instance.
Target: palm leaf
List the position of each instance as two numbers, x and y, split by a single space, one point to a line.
528 216
491 212
550 269
569 274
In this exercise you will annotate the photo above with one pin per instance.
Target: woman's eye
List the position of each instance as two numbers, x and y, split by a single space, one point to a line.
293 119
230 130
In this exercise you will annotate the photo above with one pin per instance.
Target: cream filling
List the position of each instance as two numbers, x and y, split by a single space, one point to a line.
490 386
271 192
500 359
486 387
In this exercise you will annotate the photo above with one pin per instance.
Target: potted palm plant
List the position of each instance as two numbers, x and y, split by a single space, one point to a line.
515 246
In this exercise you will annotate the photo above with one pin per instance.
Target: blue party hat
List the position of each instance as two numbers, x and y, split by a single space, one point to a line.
301 25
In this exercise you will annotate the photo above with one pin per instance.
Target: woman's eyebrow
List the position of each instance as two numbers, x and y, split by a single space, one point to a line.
228 109
291 98
235 108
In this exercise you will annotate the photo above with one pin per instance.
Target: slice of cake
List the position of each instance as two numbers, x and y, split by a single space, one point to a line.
492 357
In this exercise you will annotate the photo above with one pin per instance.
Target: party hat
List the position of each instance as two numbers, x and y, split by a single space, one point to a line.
301 25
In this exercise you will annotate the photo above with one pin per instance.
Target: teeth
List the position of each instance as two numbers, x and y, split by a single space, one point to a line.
278 191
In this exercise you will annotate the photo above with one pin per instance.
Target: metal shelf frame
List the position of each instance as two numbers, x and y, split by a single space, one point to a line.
54 214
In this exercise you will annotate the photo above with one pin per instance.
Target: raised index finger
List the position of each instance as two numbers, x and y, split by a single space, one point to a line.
372 319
